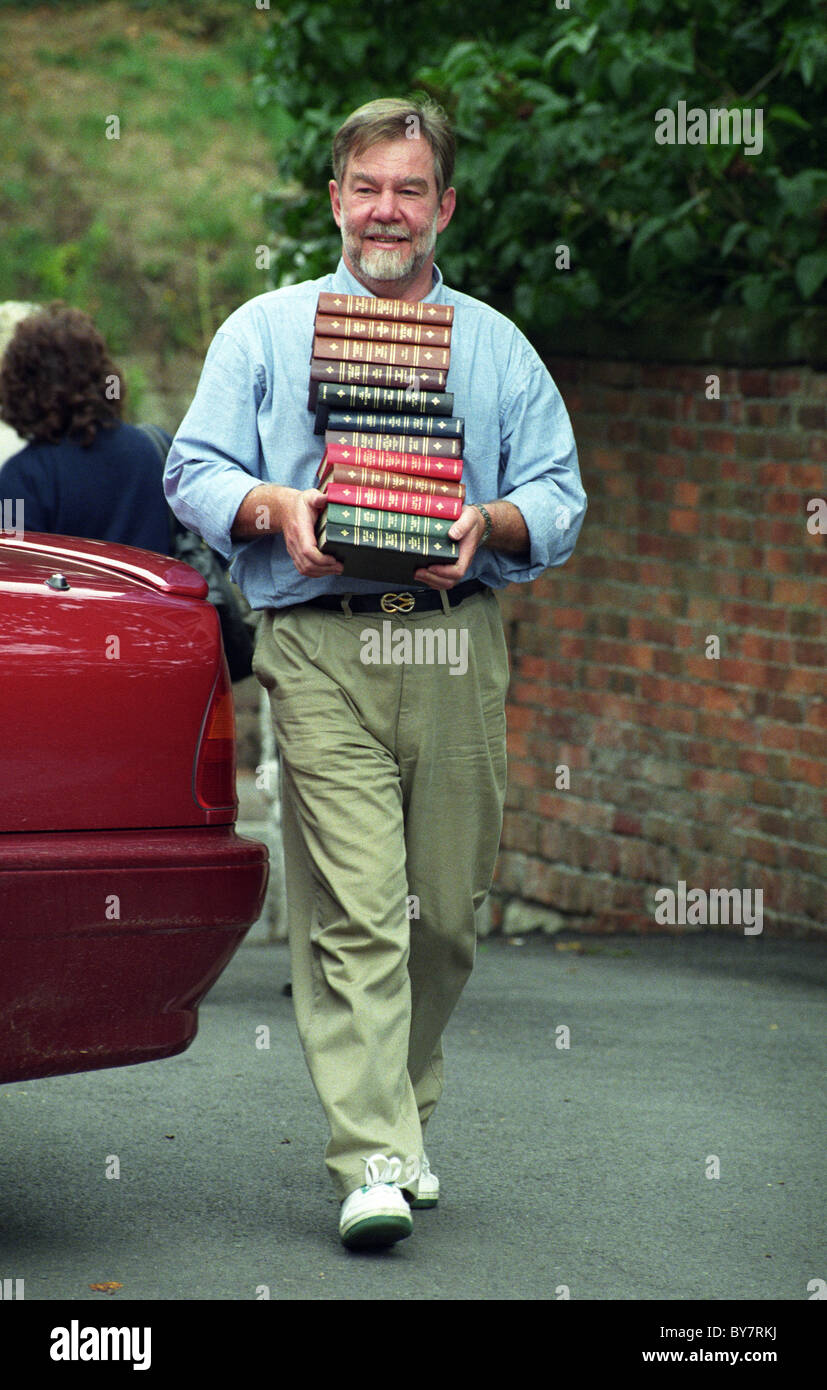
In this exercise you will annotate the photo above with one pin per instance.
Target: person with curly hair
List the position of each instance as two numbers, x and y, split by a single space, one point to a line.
83 471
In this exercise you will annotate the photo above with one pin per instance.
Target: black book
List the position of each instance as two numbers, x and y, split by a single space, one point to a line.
339 396
422 444
435 426
368 553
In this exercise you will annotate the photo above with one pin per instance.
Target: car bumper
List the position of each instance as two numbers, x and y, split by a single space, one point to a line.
110 940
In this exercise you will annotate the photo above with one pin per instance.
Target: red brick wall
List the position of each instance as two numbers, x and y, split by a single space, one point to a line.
681 766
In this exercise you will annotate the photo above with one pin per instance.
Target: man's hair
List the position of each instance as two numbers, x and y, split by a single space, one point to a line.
388 118
55 377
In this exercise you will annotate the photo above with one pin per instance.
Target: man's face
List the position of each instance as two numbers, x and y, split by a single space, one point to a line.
389 212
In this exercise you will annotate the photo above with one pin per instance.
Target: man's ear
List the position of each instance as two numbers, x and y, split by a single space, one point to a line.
335 202
446 208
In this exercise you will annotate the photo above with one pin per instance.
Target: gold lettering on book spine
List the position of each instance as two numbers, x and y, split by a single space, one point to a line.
352 305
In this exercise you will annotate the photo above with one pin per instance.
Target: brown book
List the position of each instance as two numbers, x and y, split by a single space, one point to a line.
400 443
381 331
369 307
395 461
381 477
395 354
373 374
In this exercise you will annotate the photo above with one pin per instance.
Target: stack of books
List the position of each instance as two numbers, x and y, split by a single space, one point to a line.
392 463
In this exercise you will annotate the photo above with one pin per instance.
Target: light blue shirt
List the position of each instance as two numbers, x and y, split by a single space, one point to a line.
249 424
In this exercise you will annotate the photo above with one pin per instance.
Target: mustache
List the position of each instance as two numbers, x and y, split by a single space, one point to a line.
379 230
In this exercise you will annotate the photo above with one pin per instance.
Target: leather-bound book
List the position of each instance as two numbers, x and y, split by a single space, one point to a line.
369 307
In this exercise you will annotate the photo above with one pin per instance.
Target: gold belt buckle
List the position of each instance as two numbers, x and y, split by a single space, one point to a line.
397 603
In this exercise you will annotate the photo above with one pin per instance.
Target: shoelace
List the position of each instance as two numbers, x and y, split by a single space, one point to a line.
379 1169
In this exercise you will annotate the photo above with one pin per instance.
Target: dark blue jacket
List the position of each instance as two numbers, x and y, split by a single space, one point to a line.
110 490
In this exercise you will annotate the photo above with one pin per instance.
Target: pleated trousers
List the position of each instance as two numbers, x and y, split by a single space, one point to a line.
393 767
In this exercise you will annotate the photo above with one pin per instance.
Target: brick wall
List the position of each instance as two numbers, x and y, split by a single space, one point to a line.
637 758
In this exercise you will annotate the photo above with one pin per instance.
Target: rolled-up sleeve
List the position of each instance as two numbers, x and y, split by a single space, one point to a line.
540 473
215 459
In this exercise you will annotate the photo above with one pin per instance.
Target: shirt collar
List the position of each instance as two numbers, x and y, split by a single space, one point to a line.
346 283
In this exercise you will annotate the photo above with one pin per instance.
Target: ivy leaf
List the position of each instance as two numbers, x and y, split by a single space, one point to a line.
733 234
790 117
810 272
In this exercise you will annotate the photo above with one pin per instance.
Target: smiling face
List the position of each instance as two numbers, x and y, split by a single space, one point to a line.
390 215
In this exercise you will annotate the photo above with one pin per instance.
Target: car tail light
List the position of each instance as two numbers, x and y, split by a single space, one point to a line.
215 761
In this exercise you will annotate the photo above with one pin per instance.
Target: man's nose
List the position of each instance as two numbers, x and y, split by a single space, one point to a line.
386 206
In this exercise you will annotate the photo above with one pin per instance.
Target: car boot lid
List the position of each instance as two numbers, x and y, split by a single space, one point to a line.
160 572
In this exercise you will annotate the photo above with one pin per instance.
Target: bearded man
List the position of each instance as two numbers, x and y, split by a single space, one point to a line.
394 775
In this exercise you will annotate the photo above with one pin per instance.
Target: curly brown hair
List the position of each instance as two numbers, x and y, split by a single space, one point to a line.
57 378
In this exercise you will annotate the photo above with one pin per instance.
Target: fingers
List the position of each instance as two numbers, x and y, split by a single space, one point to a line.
300 537
439 576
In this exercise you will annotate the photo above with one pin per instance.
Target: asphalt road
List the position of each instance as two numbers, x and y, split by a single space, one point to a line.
585 1172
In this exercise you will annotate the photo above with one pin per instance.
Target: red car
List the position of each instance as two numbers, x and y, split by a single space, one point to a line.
124 889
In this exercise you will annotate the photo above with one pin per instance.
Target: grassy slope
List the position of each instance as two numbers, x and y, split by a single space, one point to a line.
155 233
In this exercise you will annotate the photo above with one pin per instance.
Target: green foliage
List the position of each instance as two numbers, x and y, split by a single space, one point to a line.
153 234
137 392
72 270
554 108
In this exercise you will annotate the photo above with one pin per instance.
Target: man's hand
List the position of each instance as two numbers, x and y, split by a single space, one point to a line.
298 528
270 509
467 529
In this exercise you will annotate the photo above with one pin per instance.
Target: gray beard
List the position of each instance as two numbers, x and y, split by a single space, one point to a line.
389 266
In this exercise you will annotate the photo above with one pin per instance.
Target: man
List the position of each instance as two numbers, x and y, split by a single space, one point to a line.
393 776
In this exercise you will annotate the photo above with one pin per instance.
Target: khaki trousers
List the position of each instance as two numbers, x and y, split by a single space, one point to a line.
393 783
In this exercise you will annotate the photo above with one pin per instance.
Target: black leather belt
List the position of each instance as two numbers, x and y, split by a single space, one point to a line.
394 601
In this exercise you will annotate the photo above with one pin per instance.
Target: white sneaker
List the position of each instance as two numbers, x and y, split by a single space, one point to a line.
427 1193
377 1213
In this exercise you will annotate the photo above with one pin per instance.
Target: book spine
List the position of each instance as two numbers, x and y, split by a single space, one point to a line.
338 396
433 449
407 522
395 354
381 477
395 461
377 374
382 331
373 374
373 308
388 500
442 426
433 548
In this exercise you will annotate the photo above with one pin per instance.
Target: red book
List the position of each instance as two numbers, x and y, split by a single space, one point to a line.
369 307
394 354
388 330
392 500
424 465
380 477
